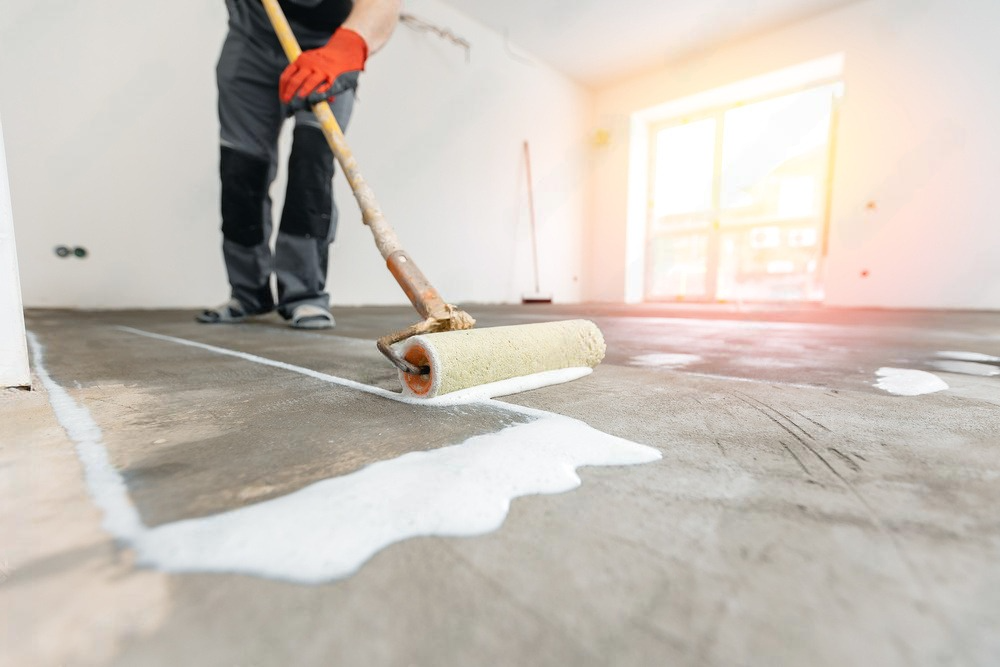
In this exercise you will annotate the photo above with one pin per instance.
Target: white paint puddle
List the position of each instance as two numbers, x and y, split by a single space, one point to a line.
329 529
663 360
908 382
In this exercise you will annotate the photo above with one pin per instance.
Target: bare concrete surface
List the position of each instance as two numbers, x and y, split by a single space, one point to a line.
799 516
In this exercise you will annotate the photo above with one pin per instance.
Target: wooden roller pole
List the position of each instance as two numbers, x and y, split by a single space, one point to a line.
418 289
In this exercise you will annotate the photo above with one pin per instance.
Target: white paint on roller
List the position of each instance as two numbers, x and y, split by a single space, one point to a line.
908 382
507 387
664 360
968 356
966 367
331 528
466 359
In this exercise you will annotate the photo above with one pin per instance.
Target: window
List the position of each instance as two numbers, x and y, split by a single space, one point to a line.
738 200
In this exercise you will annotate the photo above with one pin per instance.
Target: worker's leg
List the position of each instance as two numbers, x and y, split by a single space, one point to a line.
309 216
250 118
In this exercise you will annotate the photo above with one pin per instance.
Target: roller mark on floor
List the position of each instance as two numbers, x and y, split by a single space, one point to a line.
328 530
664 360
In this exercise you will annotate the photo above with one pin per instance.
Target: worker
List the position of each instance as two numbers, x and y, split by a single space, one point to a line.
258 90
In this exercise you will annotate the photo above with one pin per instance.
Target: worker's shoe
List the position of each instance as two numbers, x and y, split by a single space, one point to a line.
231 312
308 316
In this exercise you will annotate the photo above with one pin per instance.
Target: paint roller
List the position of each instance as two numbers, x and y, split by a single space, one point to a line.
443 353
459 360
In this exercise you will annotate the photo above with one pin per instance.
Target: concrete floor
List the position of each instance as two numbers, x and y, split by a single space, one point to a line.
799 515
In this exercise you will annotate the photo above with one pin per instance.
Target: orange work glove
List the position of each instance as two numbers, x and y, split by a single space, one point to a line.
320 74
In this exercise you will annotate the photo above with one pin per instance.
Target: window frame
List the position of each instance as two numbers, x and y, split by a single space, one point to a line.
714 216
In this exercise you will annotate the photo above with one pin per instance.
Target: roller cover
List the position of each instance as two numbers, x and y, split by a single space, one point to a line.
464 359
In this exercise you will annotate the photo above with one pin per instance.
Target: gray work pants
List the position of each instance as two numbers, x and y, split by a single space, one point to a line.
250 119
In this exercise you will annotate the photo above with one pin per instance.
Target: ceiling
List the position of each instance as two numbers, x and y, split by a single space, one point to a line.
598 42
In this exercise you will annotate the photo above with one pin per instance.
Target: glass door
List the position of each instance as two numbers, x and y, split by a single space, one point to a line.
680 262
738 201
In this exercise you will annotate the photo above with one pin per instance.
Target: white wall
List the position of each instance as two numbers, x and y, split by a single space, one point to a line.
110 115
918 136
13 347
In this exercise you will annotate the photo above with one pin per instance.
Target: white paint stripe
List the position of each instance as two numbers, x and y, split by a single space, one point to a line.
968 356
479 394
332 379
105 484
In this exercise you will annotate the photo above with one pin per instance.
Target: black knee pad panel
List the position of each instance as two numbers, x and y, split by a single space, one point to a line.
244 191
308 210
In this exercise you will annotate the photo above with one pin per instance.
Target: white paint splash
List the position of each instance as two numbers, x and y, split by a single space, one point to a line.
908 382
664 360
331 528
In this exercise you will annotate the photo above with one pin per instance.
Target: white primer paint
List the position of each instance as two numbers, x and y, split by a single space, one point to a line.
967 356
966 367
664 360
909 382
329 529
466 396
105 484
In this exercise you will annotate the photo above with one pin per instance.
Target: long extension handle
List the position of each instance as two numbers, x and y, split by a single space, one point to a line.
438 315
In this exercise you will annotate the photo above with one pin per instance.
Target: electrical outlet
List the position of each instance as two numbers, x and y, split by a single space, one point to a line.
64 251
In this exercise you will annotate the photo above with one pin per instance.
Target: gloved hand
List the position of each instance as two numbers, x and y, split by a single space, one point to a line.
321 74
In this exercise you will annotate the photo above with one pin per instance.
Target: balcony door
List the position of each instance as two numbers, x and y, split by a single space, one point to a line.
738 201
